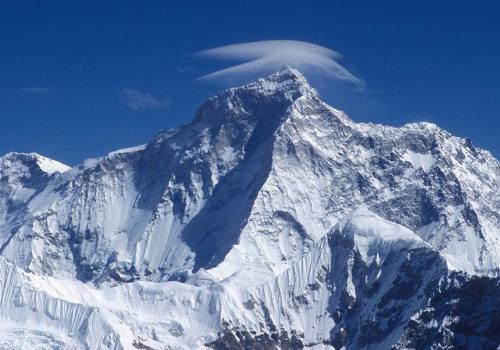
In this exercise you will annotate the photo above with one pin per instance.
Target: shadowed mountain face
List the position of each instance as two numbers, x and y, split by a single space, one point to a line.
286 223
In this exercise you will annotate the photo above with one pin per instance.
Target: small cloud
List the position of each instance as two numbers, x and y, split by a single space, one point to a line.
271 55
138 100
35 90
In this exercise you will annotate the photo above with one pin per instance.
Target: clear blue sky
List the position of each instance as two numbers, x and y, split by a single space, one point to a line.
63 65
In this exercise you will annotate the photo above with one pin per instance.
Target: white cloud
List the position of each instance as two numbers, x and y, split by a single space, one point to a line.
271 55
138 100
36 90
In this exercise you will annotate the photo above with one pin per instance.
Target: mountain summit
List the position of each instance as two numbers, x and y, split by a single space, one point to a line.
270 220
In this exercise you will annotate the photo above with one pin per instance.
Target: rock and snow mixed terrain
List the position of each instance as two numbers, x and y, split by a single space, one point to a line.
272 220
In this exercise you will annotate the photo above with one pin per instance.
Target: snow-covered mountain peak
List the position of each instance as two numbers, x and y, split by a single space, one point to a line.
22 176
28 169
51 166
271 220
47 165
375 237
291 73
262 98
287 78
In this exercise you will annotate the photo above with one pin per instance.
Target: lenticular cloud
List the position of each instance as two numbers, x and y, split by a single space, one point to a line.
270 55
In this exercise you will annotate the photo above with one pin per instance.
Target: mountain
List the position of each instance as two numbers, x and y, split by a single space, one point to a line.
271 220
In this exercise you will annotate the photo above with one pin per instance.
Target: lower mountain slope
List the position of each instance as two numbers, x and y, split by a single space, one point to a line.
368 284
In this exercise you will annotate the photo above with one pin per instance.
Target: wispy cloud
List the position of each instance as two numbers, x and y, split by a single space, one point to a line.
35 90
138 100
271 55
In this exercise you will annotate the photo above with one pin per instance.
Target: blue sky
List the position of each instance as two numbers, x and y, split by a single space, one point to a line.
80 79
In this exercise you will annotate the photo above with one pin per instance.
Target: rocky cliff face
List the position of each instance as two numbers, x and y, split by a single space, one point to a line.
272 219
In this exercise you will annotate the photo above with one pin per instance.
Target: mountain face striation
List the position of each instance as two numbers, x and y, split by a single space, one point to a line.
272 220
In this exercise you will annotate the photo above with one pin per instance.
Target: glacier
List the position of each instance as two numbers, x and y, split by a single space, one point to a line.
271 220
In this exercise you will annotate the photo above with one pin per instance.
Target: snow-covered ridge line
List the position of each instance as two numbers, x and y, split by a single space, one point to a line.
129 150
